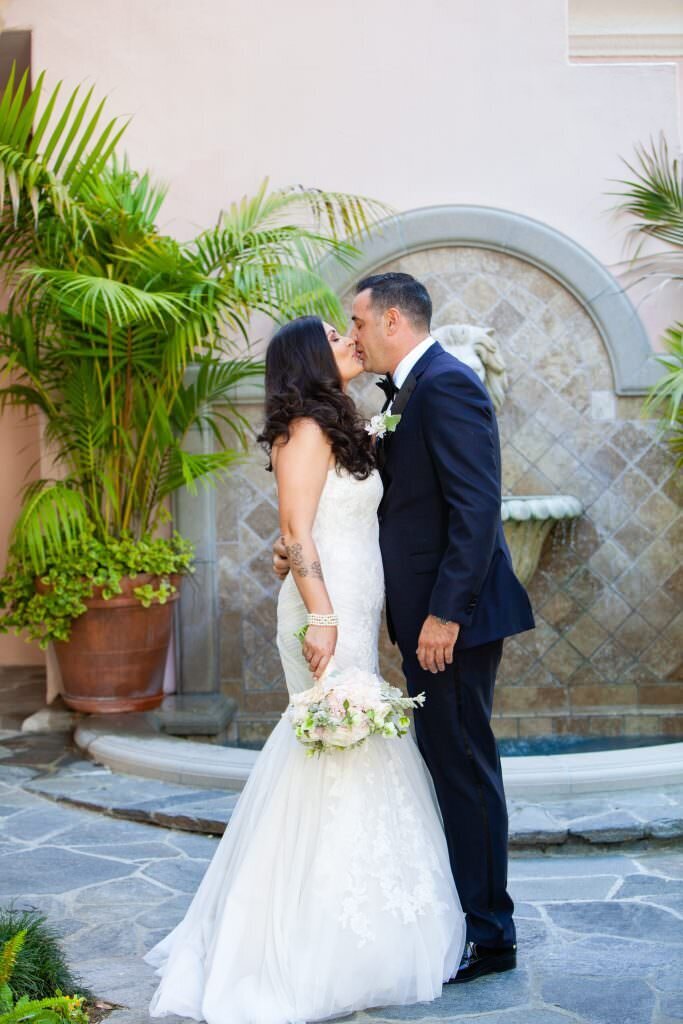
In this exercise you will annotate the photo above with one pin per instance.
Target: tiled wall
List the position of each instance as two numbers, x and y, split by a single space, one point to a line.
606 655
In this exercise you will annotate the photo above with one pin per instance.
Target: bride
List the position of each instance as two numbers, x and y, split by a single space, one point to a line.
331 890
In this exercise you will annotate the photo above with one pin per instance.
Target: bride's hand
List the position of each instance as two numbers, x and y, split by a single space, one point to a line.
319 646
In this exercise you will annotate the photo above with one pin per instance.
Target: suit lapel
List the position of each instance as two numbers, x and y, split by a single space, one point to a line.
410 383
403 397
432 352
404 394
398 405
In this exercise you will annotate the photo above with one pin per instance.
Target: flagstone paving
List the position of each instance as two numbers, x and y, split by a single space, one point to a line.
65 777
600 931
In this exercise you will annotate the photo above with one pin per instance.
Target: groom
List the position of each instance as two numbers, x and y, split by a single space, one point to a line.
451 593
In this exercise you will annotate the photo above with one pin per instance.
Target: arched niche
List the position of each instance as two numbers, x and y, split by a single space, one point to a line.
633 362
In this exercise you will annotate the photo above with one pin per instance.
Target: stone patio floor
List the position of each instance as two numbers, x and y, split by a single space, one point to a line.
600 928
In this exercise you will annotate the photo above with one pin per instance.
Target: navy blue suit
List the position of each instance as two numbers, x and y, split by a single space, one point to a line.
445 554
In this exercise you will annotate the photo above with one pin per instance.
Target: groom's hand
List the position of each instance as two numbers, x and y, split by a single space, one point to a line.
280 559
436 643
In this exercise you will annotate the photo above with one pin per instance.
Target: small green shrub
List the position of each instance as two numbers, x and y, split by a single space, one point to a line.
38 967
55 1009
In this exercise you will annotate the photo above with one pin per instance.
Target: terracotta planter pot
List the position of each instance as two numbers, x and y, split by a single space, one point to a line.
116 656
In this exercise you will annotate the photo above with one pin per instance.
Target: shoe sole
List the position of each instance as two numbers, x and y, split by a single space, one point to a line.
497 967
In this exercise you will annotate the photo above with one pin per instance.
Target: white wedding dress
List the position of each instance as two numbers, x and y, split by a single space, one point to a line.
331 890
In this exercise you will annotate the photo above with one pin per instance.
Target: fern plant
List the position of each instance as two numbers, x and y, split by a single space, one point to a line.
8 959
40 967
123 339
57 1009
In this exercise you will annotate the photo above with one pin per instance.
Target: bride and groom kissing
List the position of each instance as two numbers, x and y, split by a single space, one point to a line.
374 876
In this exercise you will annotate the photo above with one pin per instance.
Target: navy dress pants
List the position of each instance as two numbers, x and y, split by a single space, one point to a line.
456 740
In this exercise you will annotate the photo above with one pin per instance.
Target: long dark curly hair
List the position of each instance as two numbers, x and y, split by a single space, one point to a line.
302 379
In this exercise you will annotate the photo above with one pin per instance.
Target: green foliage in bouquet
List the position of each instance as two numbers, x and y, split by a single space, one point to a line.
54 1009
125 340
301 634
347 710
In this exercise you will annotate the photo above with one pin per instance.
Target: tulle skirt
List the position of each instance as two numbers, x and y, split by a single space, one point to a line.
330 892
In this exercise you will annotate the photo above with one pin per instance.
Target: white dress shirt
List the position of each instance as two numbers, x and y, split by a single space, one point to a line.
409 360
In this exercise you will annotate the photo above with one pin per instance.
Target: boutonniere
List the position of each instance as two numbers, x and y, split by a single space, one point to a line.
381 424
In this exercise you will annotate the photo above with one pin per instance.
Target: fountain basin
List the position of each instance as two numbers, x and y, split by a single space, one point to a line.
189 763
527 521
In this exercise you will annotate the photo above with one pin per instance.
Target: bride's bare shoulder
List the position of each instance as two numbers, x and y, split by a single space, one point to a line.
306 440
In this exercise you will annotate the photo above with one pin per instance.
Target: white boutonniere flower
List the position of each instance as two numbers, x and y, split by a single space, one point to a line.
381 424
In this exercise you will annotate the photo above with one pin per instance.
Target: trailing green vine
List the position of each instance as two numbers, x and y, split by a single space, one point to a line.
45 608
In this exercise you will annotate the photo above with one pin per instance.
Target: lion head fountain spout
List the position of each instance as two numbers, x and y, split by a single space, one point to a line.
527 519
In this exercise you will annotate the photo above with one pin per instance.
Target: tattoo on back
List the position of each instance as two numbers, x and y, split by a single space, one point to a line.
298 563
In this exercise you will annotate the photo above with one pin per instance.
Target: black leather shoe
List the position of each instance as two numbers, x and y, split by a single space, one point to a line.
479 960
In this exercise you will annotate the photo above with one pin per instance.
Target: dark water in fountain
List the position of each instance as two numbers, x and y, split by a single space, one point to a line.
549 744
577 744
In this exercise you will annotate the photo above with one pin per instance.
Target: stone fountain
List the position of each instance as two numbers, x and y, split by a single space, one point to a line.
527 519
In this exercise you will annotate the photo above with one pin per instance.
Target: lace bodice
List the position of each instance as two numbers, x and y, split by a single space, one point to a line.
346 533
348 508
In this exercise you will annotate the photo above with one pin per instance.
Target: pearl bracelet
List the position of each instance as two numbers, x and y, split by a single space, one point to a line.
322 620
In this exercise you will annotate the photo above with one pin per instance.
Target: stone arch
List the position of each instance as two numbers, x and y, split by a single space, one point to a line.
632 359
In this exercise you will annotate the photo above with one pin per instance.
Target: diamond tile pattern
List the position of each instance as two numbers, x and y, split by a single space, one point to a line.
608 592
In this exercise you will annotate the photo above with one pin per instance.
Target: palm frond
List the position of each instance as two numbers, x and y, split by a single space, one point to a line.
71 157
339 214
654 195
208 402
52 518
107 315
267 249
185 469
123 189
97 300
667 394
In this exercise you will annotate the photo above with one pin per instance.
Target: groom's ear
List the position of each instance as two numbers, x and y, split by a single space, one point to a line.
392 320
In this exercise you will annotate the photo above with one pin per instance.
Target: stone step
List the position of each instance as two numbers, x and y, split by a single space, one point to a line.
593 820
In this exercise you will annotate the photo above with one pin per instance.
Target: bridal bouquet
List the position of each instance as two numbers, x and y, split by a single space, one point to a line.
345 707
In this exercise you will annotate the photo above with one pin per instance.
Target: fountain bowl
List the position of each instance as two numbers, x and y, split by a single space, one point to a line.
527 521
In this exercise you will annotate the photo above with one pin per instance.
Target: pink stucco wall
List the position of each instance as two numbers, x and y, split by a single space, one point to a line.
418 103
18 453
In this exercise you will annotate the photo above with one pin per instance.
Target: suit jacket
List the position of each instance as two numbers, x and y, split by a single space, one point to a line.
441 533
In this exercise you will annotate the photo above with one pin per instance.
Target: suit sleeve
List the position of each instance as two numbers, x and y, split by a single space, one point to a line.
459 431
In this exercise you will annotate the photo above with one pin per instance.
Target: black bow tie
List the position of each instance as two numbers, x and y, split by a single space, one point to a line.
387 385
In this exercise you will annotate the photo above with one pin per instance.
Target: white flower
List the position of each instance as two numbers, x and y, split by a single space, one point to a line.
348 706
382 424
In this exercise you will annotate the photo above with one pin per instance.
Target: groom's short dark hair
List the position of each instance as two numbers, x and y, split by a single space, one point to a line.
402 291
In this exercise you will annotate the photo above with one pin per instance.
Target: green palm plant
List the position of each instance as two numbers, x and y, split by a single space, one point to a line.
654 197
124 339
666 396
